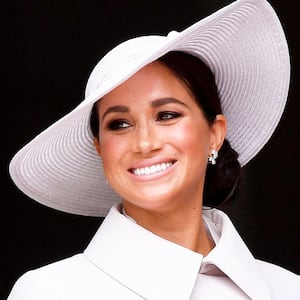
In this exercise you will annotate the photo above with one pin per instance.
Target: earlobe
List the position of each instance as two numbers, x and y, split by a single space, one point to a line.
97 146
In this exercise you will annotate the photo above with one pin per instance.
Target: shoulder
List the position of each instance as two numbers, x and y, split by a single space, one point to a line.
283 283
74 278
50 281
32 286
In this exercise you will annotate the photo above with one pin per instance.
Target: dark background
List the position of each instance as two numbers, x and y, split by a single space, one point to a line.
51 48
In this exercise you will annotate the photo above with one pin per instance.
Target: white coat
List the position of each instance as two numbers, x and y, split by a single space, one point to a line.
126 262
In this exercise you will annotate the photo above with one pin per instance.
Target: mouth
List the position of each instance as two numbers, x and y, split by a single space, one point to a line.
153 169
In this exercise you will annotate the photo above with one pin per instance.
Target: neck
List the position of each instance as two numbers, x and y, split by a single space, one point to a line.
184 226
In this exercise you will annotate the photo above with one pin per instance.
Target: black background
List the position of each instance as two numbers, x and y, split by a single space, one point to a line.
51 48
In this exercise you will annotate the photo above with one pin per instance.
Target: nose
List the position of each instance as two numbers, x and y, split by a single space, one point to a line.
146 139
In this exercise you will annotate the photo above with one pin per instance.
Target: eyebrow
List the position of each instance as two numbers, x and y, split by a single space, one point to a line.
154 103
117 108
163 101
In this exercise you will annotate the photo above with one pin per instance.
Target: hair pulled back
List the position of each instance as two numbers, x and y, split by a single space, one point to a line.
222 179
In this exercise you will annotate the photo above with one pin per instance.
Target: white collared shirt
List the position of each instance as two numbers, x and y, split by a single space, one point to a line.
125 261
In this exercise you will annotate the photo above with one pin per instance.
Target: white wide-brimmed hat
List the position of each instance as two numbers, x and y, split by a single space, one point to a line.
246 49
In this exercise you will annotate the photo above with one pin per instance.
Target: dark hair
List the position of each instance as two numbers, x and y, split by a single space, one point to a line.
222 179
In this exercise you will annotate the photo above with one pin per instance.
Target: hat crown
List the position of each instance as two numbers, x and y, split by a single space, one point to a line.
115 65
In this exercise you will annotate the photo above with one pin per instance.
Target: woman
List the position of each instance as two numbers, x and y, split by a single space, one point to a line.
155 140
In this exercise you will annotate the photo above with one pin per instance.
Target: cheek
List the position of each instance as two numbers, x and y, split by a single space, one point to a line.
112 150
191 137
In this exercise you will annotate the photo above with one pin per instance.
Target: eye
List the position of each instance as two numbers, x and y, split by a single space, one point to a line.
167 115
118 124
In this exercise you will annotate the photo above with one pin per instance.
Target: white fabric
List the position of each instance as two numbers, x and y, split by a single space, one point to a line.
125 261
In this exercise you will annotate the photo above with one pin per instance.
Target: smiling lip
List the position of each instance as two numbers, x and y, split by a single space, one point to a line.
153 169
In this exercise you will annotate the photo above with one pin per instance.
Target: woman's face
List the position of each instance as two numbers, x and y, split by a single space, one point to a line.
154 141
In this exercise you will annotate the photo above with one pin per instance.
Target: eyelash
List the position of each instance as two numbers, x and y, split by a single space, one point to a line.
118 124
167 115
163 116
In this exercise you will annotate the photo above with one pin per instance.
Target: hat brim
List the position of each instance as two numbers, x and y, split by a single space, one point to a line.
244 46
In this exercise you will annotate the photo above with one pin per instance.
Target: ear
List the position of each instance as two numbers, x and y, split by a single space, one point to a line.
218 132
97 146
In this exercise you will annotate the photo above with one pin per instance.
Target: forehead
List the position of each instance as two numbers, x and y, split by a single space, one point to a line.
151 71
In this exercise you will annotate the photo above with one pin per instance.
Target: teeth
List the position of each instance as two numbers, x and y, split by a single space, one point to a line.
151 169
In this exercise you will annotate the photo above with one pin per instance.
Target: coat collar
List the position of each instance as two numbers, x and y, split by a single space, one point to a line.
148 265
233 258
154 268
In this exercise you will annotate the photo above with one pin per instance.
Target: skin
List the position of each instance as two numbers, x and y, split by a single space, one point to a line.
152 119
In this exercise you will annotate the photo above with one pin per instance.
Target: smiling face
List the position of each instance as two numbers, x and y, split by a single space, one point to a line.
154 141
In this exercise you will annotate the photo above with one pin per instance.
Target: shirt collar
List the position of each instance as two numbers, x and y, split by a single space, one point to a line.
154 268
